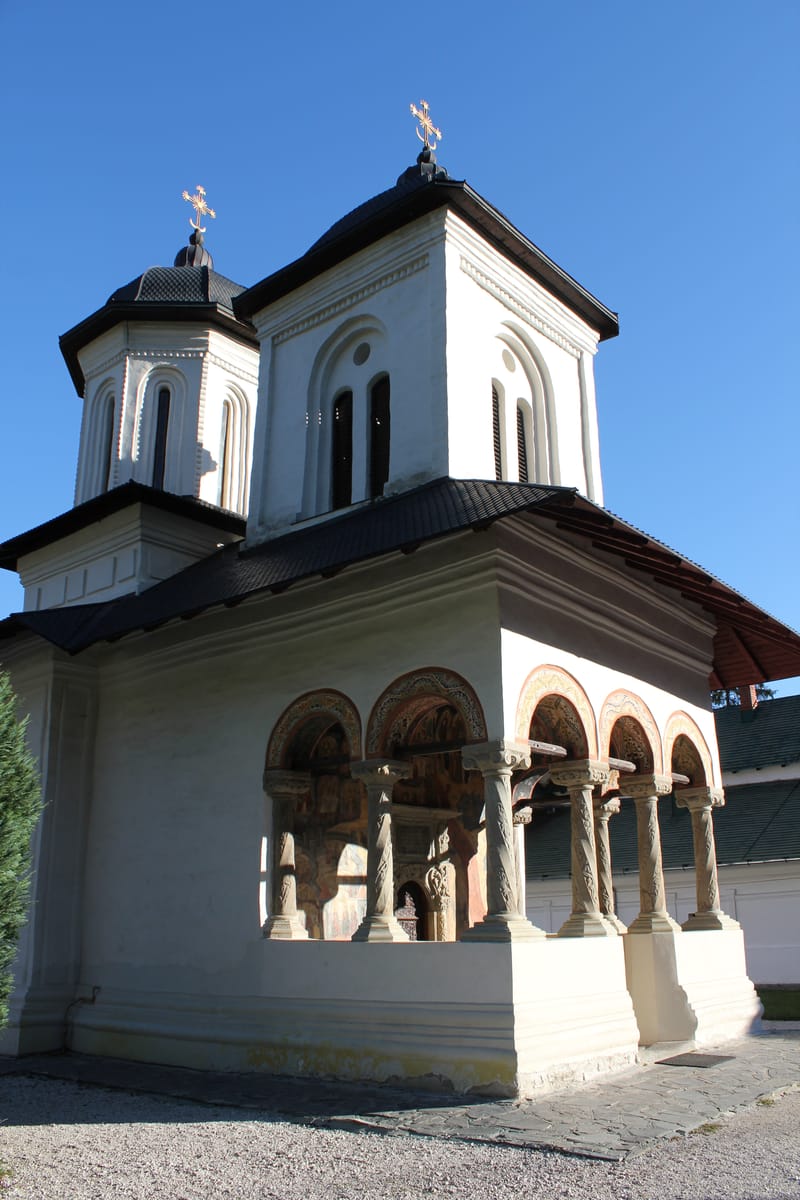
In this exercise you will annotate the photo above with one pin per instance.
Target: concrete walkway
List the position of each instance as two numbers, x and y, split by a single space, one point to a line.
609 1119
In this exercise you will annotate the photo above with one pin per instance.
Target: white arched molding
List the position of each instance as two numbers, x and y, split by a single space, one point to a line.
523 382
234 451
334 371
161 376
100 440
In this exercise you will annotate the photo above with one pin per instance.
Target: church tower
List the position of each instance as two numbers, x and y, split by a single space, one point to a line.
421 336
168 375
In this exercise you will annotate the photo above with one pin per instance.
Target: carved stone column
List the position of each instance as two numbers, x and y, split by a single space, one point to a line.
503 922
522 818
580 778
604 810
653 916
700 802
379 924
284 787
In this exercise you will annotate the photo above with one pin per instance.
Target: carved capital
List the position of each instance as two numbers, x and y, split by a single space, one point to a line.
606 806
379 772
581 772
281 784
696 799
523 816
498 757
642 787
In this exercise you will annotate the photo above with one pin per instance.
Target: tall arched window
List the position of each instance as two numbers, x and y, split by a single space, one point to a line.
342 451
105 444
160 440
497 435
522 444
379 434
226 457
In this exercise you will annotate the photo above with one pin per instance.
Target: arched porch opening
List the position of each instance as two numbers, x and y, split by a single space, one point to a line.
322 809
424 719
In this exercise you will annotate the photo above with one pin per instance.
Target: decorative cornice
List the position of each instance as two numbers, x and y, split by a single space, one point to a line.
514 301
127 354
356 296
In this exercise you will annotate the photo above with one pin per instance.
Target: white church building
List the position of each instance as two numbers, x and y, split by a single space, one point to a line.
337 591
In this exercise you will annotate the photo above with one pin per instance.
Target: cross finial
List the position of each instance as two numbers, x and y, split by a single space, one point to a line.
201 209
427 130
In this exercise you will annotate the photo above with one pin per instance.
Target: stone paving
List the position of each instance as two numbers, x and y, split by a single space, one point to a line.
608 1119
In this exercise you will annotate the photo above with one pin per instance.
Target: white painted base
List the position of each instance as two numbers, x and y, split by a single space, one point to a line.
690 986
540 1014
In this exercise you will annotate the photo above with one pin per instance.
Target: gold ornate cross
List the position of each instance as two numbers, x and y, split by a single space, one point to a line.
426 125
201 209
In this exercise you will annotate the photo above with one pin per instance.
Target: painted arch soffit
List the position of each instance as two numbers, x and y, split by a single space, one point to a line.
681 726
550 681
624 704
403 700
311 706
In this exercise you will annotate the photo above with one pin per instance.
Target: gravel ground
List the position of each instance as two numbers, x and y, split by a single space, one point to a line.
73 1142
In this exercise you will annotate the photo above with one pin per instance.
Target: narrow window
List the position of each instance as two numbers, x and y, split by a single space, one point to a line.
522 446
225 464
342 451
380 429
160 443
106 443
498 452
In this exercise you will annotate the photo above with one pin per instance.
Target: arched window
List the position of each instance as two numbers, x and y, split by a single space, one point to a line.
105 444
497 435
226 457
379 434
522 445
160 440
342 451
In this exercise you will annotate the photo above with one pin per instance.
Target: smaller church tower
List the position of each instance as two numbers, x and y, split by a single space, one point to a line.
168 376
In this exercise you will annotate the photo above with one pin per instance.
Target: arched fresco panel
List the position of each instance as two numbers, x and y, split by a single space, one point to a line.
686 750
312 709
623 704
547 681
401 704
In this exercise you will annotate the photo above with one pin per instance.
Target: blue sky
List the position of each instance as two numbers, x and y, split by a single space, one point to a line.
650 149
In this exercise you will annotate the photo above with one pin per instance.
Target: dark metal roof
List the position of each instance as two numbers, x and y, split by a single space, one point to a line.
759 823
750 646
413 196
185 293
75 519
766 736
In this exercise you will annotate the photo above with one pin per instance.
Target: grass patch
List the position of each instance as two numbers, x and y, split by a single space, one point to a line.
709 1127
766 1101
780 1003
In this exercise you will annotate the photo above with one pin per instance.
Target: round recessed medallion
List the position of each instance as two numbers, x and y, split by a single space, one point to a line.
361 353
509 361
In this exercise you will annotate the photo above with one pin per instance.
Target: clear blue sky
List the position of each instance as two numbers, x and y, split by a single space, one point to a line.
651 149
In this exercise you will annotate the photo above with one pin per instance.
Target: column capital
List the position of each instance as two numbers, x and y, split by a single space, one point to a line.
580 772
286 784
606 806
499 756
698 798
523 816
379 771
642 787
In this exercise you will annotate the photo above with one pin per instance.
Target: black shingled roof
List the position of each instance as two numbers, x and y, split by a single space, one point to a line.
414 196
766 736
749 646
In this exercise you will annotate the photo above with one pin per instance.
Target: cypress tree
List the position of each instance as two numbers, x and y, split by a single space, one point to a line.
19 809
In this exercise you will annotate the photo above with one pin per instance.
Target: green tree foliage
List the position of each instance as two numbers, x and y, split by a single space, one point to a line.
20 805
730 698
